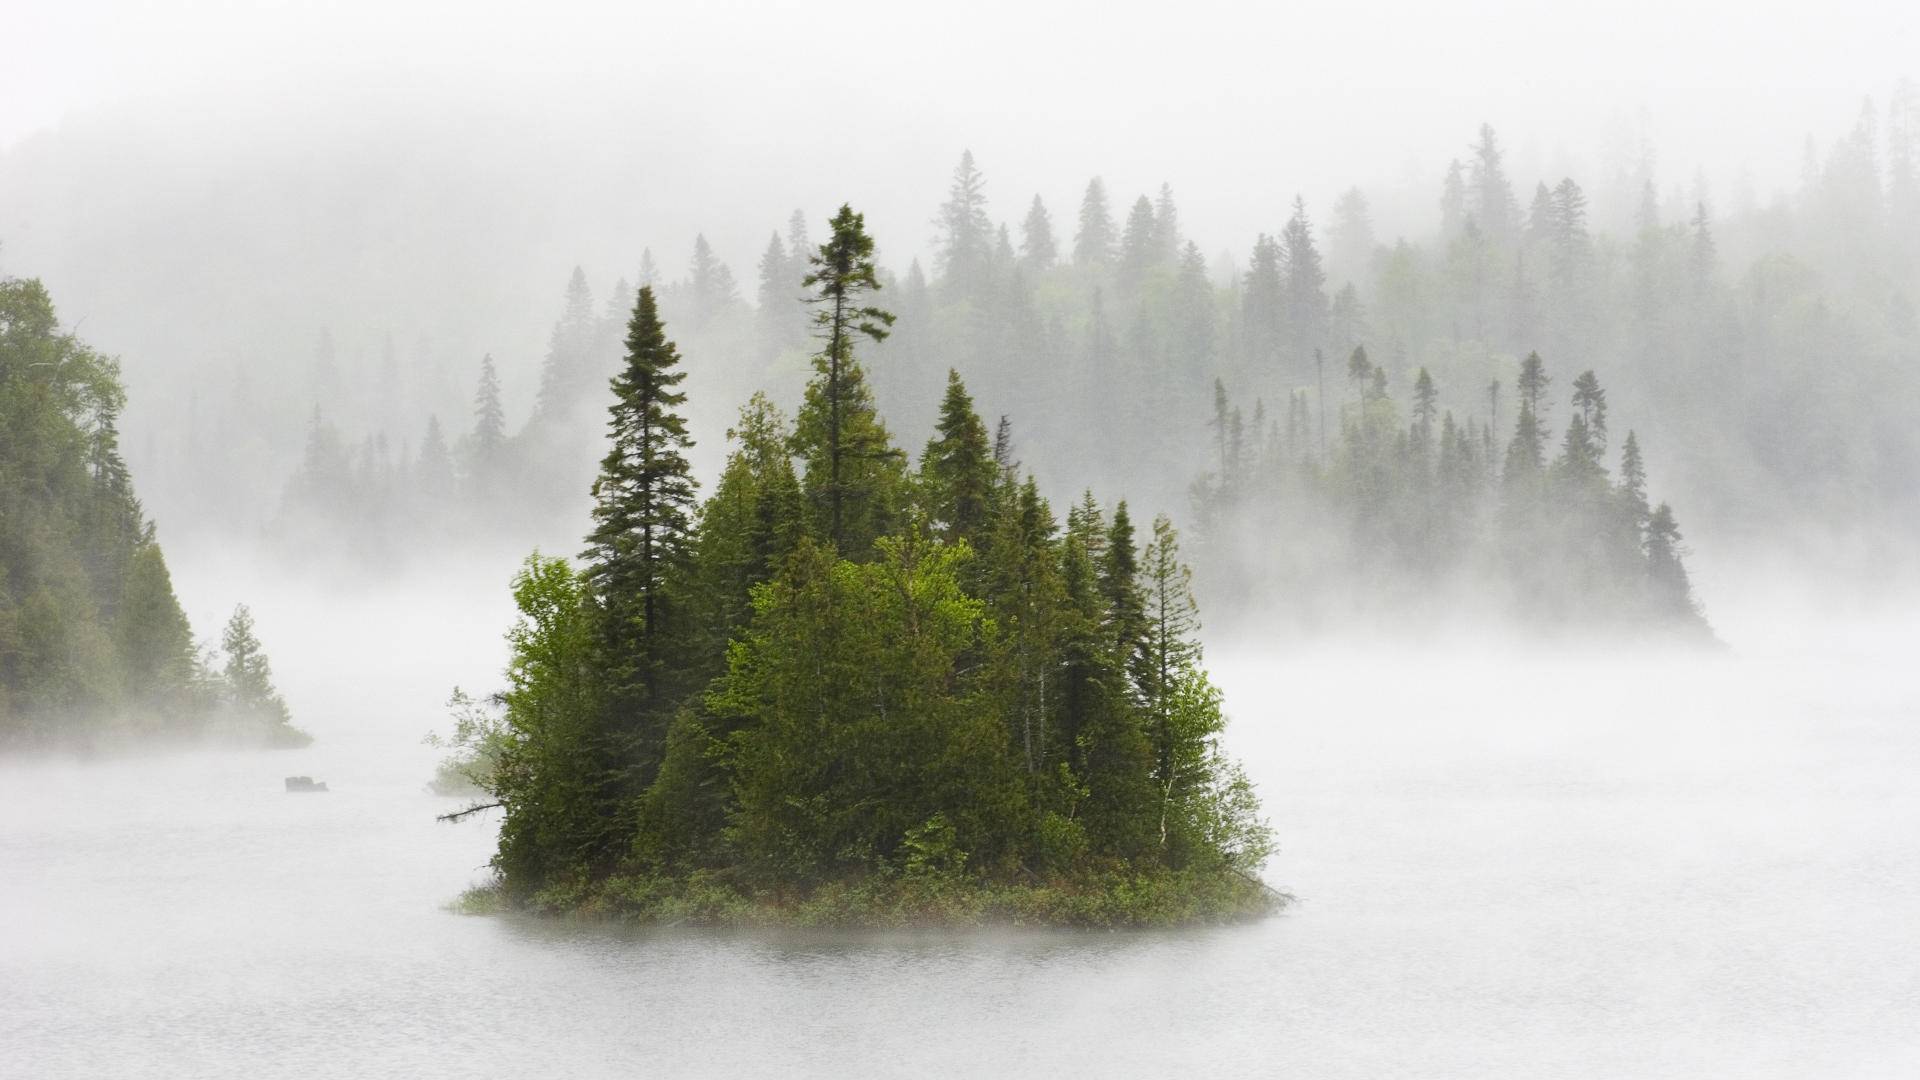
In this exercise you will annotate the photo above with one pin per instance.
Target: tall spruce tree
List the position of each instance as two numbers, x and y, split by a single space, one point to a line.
852 467
1037 246
643 502
1093 243
964 237
958 470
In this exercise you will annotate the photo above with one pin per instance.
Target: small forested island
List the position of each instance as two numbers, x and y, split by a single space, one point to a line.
844 690
95 651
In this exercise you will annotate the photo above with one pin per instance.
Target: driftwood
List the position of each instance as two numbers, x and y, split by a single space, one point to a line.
458 814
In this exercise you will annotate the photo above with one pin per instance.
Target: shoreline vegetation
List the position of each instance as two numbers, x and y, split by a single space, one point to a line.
96 654
1112 901
847 691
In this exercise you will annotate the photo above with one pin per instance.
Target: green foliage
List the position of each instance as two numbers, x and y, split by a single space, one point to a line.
93 642
923 701
642 537
854 475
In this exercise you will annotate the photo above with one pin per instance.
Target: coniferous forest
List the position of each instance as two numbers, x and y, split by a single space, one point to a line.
849 687
1292 401
94 648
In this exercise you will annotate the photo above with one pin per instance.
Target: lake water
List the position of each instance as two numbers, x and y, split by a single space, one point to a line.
1539 866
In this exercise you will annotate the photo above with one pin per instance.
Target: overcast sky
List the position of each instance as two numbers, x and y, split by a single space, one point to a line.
1238 105
1723 75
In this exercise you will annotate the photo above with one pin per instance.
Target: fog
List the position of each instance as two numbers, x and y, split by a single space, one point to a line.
1583 865
1558 789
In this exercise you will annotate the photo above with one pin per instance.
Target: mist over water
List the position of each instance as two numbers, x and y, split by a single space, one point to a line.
1549 803
1508 861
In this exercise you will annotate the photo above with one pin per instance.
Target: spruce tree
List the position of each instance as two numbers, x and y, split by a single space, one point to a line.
852 468
958 469
489 419
964 240
1126 616
643 502
1036 237
1093 243
1305 284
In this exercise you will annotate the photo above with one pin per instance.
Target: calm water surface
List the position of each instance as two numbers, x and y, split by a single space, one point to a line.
1532 868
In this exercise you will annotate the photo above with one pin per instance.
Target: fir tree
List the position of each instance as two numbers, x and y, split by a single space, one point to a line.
958 468
965 235
643 502
851 465
1093 243
1036 237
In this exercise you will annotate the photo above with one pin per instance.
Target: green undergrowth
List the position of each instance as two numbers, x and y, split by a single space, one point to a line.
704 898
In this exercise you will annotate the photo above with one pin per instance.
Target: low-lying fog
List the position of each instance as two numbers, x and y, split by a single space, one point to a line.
1508 863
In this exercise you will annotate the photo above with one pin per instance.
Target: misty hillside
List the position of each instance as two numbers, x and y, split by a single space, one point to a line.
341 281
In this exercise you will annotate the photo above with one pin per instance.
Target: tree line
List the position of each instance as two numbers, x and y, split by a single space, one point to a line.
93 642
1430 513
1745 343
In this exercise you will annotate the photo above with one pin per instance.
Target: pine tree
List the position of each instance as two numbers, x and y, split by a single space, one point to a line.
1493 205
1093 243
433 471
1139 248
489 418
1591 402
958 469
964 241
1036 237
1126 617
1168 656
1453 201
776 296
710 285
1166 225
643 502
1305 286
1666 569
851 465
1263 305
247 682
568 371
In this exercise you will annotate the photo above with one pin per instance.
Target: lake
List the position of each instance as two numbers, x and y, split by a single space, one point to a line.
1509 864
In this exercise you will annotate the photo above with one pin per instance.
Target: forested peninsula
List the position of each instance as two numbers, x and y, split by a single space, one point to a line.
846 689
95 651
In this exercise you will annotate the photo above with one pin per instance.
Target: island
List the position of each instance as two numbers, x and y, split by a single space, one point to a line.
847 690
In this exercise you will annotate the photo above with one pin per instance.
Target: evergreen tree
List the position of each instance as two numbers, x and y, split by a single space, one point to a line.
1166 225
489 418
852 468
958 470
710 285
1493 204
248 682
433 471
1305 286
568 371
1139 246
1263 301
643 502
1036 237
1093 243
964 241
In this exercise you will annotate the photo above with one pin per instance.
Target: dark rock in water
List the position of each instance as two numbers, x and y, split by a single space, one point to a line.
304 783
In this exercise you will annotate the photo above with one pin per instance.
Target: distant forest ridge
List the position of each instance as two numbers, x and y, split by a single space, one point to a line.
1772 384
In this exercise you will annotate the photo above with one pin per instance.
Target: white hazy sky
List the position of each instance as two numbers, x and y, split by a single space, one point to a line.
1275 97
1249 68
